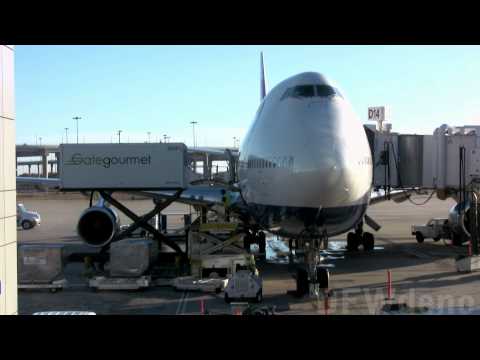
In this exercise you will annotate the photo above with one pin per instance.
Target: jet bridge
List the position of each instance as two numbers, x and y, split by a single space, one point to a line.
446 162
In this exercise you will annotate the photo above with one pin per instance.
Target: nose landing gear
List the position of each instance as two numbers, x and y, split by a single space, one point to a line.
318 279
256 238
311 276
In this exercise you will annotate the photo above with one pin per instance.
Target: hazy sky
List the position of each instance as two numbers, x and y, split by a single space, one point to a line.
162 88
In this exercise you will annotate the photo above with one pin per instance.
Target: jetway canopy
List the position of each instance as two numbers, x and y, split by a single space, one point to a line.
446 160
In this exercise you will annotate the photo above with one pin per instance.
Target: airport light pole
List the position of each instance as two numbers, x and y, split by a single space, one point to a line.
164 138
193 125
77 118
40 139
119 132
66 135
148 133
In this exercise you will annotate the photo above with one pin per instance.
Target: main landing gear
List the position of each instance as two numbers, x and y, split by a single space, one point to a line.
359 237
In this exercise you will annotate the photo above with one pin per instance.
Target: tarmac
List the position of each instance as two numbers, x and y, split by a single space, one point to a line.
423 275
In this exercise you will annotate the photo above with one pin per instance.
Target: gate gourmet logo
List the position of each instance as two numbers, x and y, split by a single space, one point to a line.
108 161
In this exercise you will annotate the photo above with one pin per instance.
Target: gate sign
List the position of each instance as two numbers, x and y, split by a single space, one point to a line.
376 113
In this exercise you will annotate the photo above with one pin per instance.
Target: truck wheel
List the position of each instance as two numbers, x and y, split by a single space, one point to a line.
436 238
419 236
26 225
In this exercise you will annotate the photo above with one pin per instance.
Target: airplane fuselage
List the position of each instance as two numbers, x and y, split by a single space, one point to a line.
305 164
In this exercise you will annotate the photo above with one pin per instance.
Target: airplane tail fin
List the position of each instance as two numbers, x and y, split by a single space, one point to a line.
263 81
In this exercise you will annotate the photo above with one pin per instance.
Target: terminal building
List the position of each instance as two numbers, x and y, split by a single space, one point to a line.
8 225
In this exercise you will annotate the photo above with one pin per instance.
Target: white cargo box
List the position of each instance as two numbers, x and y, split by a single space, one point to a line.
123 166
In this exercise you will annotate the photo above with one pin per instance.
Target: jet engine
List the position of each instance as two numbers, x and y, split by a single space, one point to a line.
460 222
98 225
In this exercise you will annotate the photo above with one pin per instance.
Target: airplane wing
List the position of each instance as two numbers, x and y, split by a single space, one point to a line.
53 183
194 195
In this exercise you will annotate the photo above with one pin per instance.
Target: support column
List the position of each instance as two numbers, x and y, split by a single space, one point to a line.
206 167
57 162
45 165
29 170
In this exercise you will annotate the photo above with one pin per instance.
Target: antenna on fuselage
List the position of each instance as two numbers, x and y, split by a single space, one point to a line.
263 81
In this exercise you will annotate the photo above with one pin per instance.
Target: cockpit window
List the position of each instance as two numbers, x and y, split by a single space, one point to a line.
308 91
303 91
324 90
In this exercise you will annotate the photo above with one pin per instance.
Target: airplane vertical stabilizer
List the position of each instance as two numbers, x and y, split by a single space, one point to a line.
263 81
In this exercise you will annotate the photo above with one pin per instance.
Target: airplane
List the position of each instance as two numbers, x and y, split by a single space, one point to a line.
304 173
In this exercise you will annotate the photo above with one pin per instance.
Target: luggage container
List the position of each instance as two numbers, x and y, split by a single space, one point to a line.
40 263
132 257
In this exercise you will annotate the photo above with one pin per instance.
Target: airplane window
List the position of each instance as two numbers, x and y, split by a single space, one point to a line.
325 90
303 91
299 92
310 91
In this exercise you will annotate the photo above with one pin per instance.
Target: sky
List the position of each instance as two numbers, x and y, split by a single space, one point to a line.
161 89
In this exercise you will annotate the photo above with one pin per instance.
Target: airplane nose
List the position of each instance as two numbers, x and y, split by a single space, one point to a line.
322 167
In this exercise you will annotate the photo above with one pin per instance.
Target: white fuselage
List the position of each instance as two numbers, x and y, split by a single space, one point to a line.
305 163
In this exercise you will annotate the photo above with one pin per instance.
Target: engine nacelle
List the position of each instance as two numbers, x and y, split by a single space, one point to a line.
460 222
97 226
